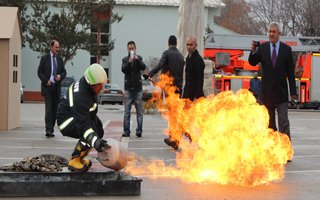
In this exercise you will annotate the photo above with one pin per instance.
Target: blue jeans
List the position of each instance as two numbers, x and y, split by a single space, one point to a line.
132 97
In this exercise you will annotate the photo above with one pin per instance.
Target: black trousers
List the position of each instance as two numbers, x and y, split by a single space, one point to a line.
72 131
283 119
51 106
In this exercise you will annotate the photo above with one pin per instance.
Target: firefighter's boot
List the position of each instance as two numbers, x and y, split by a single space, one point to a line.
83 160
75 163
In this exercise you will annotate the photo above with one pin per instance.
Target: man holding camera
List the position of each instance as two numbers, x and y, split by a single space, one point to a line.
277 66
132 65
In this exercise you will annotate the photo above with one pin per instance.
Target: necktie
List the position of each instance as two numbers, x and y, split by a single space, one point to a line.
54 63
274 56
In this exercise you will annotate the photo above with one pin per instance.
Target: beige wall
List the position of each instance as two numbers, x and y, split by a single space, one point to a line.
10 91
4 54
14 88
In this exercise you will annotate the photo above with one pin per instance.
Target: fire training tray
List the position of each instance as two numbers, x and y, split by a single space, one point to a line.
32 184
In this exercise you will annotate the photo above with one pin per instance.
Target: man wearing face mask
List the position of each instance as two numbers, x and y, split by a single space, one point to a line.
132 67
77 117
277 67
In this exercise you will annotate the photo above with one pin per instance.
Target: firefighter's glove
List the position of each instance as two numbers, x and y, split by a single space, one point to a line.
101 144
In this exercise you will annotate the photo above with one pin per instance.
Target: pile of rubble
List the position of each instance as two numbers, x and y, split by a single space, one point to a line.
42 163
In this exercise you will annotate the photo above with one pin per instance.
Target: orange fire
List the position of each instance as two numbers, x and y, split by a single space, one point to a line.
231 141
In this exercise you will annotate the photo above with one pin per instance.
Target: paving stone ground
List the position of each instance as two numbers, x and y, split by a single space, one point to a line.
302 178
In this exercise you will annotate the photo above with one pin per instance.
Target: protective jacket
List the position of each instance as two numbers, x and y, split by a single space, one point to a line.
77 113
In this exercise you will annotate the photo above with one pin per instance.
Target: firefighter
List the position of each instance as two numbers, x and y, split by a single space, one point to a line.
77 117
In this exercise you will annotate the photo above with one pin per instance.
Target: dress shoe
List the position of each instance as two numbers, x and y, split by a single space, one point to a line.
173 144
138 134
52 135
125 135
48 134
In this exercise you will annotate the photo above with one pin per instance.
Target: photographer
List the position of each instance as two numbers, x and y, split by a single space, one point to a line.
132 65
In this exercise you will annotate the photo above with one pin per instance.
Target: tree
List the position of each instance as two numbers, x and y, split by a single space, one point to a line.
310 22
70 23
297 17
237 16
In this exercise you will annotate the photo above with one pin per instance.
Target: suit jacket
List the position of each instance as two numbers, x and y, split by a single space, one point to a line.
274 87
171 61
193 88
44 72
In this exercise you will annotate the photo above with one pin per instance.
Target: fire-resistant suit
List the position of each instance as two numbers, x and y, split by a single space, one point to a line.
77 118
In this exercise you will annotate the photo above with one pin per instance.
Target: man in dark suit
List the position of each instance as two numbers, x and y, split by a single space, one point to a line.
193 88
51 72
277 66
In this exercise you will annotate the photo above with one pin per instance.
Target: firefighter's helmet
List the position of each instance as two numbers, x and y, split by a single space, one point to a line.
95 74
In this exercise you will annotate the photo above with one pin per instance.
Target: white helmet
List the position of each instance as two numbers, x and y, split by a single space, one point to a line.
95 74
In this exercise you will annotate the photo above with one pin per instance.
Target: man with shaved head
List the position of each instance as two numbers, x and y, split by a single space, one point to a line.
193 88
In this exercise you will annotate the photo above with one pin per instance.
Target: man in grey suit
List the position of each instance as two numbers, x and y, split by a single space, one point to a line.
277 67
51 72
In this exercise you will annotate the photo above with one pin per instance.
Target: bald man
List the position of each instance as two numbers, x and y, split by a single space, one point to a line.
193 88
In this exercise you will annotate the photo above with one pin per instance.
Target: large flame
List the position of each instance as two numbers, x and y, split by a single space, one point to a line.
231 141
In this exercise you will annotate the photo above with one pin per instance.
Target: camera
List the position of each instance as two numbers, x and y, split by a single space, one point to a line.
132 54
256 44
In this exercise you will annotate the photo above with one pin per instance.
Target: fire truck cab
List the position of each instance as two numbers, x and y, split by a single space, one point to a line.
233 72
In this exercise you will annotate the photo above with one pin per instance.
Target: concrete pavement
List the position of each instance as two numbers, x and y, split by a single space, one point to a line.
301 180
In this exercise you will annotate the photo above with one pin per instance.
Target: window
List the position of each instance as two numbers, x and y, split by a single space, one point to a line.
93 59
15 60
15 76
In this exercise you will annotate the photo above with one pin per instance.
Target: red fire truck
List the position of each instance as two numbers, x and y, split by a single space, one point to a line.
233 72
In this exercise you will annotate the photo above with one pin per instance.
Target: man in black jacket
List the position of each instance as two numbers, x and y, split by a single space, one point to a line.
132 67
51 72
171 62
193 88
77 117
277 66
